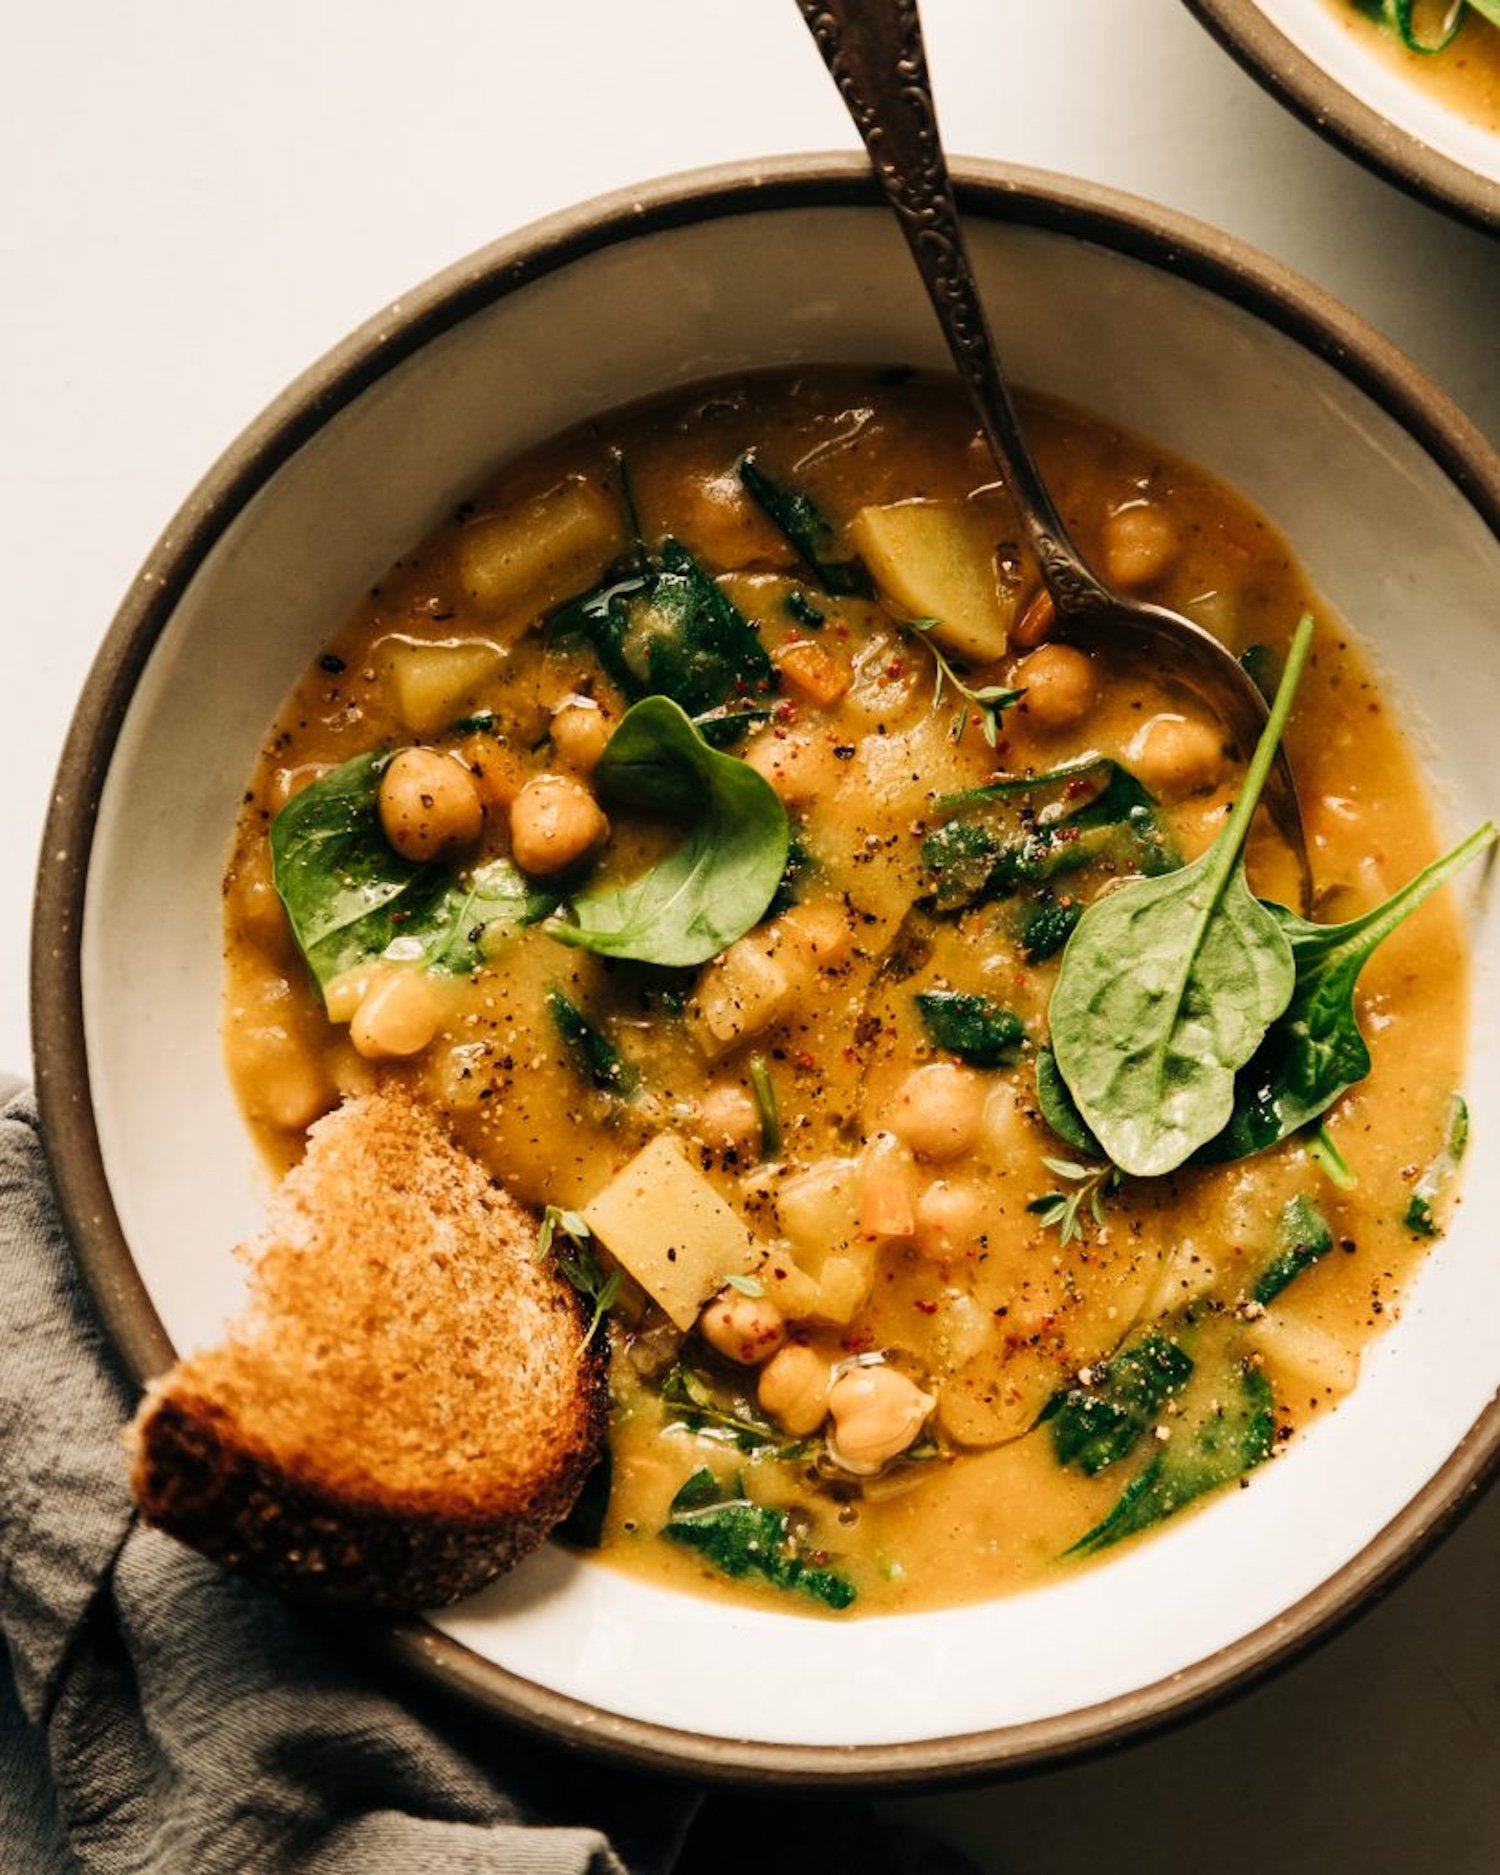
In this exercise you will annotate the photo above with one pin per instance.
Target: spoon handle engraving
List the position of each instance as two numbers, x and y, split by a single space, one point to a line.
874 51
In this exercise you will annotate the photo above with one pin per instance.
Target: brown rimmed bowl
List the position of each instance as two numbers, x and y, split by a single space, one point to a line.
1339 82
1393 502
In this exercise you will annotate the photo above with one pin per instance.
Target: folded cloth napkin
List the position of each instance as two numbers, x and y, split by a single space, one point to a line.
160 1716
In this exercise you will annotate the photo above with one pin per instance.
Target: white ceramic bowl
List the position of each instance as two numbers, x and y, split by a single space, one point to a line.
1394 505
1338 83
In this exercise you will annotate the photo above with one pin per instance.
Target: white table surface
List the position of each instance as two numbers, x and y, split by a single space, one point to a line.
196 200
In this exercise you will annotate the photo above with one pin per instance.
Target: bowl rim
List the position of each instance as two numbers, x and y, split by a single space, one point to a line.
1085 211
1343 119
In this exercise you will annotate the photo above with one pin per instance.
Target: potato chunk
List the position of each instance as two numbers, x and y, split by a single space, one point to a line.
662 1220
548 550
433 685
936 559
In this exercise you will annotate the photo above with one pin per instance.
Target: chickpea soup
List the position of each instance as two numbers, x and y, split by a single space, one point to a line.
706 822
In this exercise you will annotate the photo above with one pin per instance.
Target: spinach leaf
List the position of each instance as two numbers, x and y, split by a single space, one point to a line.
1302 1237
808 529
741 1538
718 881
1045 926
1057 1107
763 1087
1314 1050
1434 1181
1224 1430
666 628
997 840
589 1050
1096 1424
1169 985
975 1028
350 897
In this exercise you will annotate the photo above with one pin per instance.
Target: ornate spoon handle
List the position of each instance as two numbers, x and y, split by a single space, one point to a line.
874 50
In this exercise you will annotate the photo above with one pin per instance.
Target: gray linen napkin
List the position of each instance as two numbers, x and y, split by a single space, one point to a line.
159 1715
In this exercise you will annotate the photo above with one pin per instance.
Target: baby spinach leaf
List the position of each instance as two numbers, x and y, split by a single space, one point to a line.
1225 1429
717 882
1169 985
1314 1050
1095 1424
1028 830
1057 1107
1302 1237
1439 1175
741 1538
975 1028
589 1050
350 897
808 529
666 628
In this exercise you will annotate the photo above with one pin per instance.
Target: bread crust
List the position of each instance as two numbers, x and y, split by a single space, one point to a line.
205 1470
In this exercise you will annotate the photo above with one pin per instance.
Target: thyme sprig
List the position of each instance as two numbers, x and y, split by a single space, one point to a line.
987 702
1090 1187
567 1239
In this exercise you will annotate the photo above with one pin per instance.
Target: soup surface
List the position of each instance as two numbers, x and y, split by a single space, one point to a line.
1464 71
750 998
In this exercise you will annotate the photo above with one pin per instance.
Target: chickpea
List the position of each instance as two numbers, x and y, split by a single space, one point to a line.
937 1110
580 730
554 821
1140 543
499 772
951 1219
398 1017
1175 756
793 1389
429 804
1061 686
744 1329
728 1117
877 1413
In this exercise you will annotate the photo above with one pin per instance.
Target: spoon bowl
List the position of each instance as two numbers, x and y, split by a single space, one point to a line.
873 49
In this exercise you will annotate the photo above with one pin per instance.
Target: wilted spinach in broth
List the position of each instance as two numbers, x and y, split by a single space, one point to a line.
701 821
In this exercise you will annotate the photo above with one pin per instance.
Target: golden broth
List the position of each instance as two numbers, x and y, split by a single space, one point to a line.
1465 75
896 1222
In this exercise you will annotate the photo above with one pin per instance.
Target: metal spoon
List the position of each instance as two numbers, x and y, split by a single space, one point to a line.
873 48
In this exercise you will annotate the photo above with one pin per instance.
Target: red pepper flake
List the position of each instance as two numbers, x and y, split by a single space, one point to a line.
801 1059
927 1308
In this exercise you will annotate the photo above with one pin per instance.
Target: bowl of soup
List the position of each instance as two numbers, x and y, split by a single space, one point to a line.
1412 91
609 699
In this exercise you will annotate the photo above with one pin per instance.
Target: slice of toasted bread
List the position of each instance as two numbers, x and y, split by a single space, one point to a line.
408 1405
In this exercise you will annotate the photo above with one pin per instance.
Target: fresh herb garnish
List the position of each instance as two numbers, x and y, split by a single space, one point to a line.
975 1028
717 882
1089 1186
1169 986
808 529
987 702
742 1538
567 1239
350 897
699 1410
1439 1175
